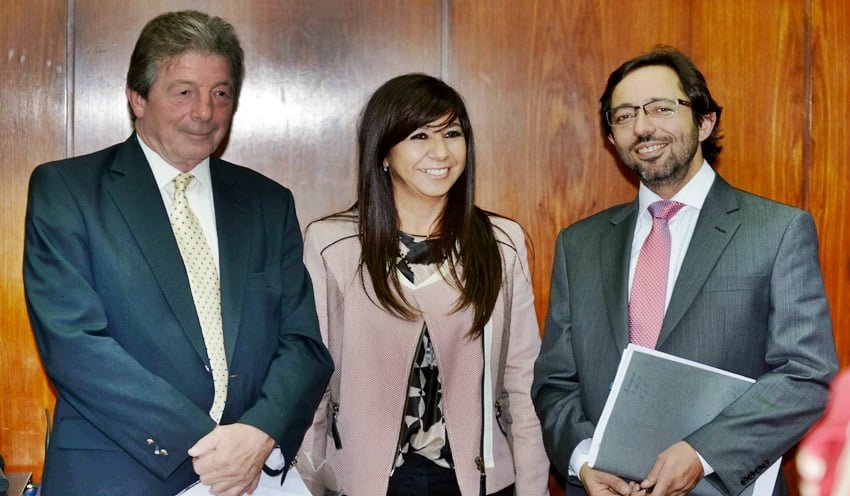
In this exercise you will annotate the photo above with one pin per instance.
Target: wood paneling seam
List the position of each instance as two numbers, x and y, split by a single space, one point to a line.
70 56
808 94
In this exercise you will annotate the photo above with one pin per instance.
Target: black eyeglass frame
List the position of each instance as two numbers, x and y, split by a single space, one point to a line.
676 102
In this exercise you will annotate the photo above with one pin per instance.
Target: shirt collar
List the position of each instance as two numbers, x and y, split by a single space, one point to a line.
693 194
164 173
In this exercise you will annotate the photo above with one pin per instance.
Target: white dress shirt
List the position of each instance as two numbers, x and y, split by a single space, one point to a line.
199 193
682 225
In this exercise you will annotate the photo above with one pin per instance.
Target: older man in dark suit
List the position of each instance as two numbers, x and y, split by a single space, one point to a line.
166 289
692 267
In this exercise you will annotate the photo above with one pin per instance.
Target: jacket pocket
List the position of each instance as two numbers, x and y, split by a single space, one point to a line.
78 433
735 283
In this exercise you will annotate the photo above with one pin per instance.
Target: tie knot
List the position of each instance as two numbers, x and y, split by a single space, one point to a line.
181 182
664 210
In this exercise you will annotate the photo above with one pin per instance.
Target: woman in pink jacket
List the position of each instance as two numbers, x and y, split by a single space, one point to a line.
425 302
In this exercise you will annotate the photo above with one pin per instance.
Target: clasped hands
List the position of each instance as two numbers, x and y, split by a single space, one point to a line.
676 471
230 458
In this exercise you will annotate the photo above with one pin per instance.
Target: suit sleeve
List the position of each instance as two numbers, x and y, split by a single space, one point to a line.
555 391
302 365
784 402
532 465
92 372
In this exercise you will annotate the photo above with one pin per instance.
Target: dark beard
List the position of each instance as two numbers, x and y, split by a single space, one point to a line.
672 172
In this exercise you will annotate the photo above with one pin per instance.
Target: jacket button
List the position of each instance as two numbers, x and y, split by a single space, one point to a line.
149 441
160 452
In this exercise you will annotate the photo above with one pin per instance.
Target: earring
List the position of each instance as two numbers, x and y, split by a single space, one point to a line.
386 166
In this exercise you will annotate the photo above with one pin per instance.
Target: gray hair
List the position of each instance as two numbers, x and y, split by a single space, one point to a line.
172 34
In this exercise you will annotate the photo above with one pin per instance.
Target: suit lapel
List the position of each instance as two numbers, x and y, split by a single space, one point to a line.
718 221
133 189
615 248
231 214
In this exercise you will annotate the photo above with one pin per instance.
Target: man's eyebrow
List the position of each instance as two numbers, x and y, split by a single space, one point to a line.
195 83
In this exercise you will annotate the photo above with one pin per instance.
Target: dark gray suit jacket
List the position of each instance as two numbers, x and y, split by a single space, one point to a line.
118 333
749 298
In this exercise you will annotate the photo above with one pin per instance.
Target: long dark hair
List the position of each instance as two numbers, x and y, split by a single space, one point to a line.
691 81
464 235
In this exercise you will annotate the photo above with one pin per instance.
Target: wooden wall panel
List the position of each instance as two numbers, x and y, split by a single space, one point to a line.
829 177
532 73
759 77
32 120
309 68
754 59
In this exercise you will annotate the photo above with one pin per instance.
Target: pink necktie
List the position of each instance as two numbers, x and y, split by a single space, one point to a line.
649 287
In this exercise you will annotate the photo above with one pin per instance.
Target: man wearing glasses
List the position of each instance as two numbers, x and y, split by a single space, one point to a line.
692 267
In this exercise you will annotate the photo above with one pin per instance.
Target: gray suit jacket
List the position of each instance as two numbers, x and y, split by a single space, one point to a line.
749 298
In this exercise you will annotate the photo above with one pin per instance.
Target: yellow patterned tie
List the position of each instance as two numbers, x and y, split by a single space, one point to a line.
204 281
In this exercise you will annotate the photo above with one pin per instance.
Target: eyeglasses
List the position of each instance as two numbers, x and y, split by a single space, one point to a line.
626 115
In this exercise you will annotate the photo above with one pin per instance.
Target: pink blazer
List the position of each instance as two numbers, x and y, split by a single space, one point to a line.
373 352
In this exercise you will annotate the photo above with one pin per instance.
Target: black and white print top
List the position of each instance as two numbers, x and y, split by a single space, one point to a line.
423 429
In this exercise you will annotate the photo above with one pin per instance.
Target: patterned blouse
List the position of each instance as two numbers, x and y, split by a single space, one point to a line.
423 429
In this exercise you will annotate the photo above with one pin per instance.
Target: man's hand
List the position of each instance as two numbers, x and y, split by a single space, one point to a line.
598 483
676 471
229 459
